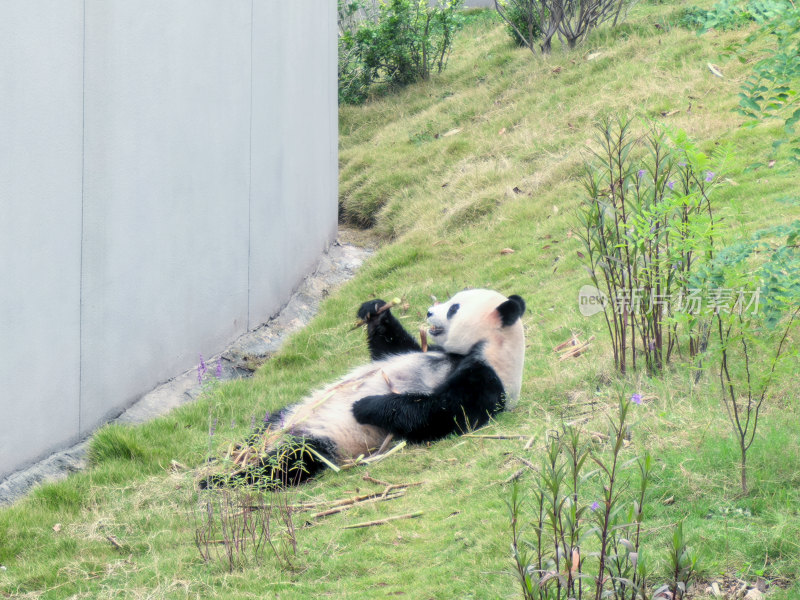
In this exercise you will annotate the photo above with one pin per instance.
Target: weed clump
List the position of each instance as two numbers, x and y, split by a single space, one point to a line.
591 547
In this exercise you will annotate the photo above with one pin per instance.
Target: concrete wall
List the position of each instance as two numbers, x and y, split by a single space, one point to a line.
167 176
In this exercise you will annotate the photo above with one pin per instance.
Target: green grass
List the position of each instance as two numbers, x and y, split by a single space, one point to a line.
442 207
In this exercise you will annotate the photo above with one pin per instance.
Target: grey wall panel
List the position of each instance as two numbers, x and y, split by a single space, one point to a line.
167 177
294 152
269 268
41 53
166 192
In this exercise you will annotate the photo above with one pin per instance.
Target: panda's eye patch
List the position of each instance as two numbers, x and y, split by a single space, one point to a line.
453 310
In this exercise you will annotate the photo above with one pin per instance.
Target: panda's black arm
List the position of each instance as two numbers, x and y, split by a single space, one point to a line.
466 400
385 334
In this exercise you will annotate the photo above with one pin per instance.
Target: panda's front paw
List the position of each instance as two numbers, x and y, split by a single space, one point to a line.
365 410
370 309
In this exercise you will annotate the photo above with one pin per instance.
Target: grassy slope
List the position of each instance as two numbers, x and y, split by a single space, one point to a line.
449 206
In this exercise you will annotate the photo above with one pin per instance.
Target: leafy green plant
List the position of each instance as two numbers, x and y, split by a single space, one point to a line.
645 223
771 92
732 14
752 336
395 42
563 562
683 563
354 80
524 21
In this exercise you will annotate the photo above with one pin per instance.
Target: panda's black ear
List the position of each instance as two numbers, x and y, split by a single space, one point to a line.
511 310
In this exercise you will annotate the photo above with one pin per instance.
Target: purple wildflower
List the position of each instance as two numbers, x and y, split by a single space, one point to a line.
233 423
709 176
252 423
651 346
671 185
682 164
266 417
201 370
595 505
213 428
636 398
641 173
219 368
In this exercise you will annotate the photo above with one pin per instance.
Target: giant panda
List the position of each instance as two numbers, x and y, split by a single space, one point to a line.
472 371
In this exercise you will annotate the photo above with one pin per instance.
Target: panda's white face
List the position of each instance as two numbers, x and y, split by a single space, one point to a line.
472 316
467 318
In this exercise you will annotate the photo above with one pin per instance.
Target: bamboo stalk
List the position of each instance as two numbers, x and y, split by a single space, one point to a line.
573 352
384 521
516 475
331 503
386 442
114 542
329 464
392 303
497 437
374 458
338 509
573 341
399 489
526 462
389 382
366 477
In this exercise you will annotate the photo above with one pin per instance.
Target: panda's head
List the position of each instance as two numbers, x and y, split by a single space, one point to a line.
474 316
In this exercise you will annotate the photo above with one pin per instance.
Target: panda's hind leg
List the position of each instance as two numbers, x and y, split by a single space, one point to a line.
297 459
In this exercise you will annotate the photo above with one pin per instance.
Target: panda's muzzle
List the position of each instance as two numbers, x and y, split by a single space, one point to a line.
435 321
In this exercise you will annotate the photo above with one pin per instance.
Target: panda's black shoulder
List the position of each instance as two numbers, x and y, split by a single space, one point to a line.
474 357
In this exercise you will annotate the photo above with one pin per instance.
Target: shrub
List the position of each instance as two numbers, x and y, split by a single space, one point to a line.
395 42
752 337
646 225
732 14
524 21
530 21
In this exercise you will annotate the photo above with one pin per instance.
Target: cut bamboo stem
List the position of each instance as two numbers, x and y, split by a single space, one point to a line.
374 458
388 381
394 302
338 509
526 462
577 351
497 437
384 521
386 442
516 475
366 477
573 341
114 542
